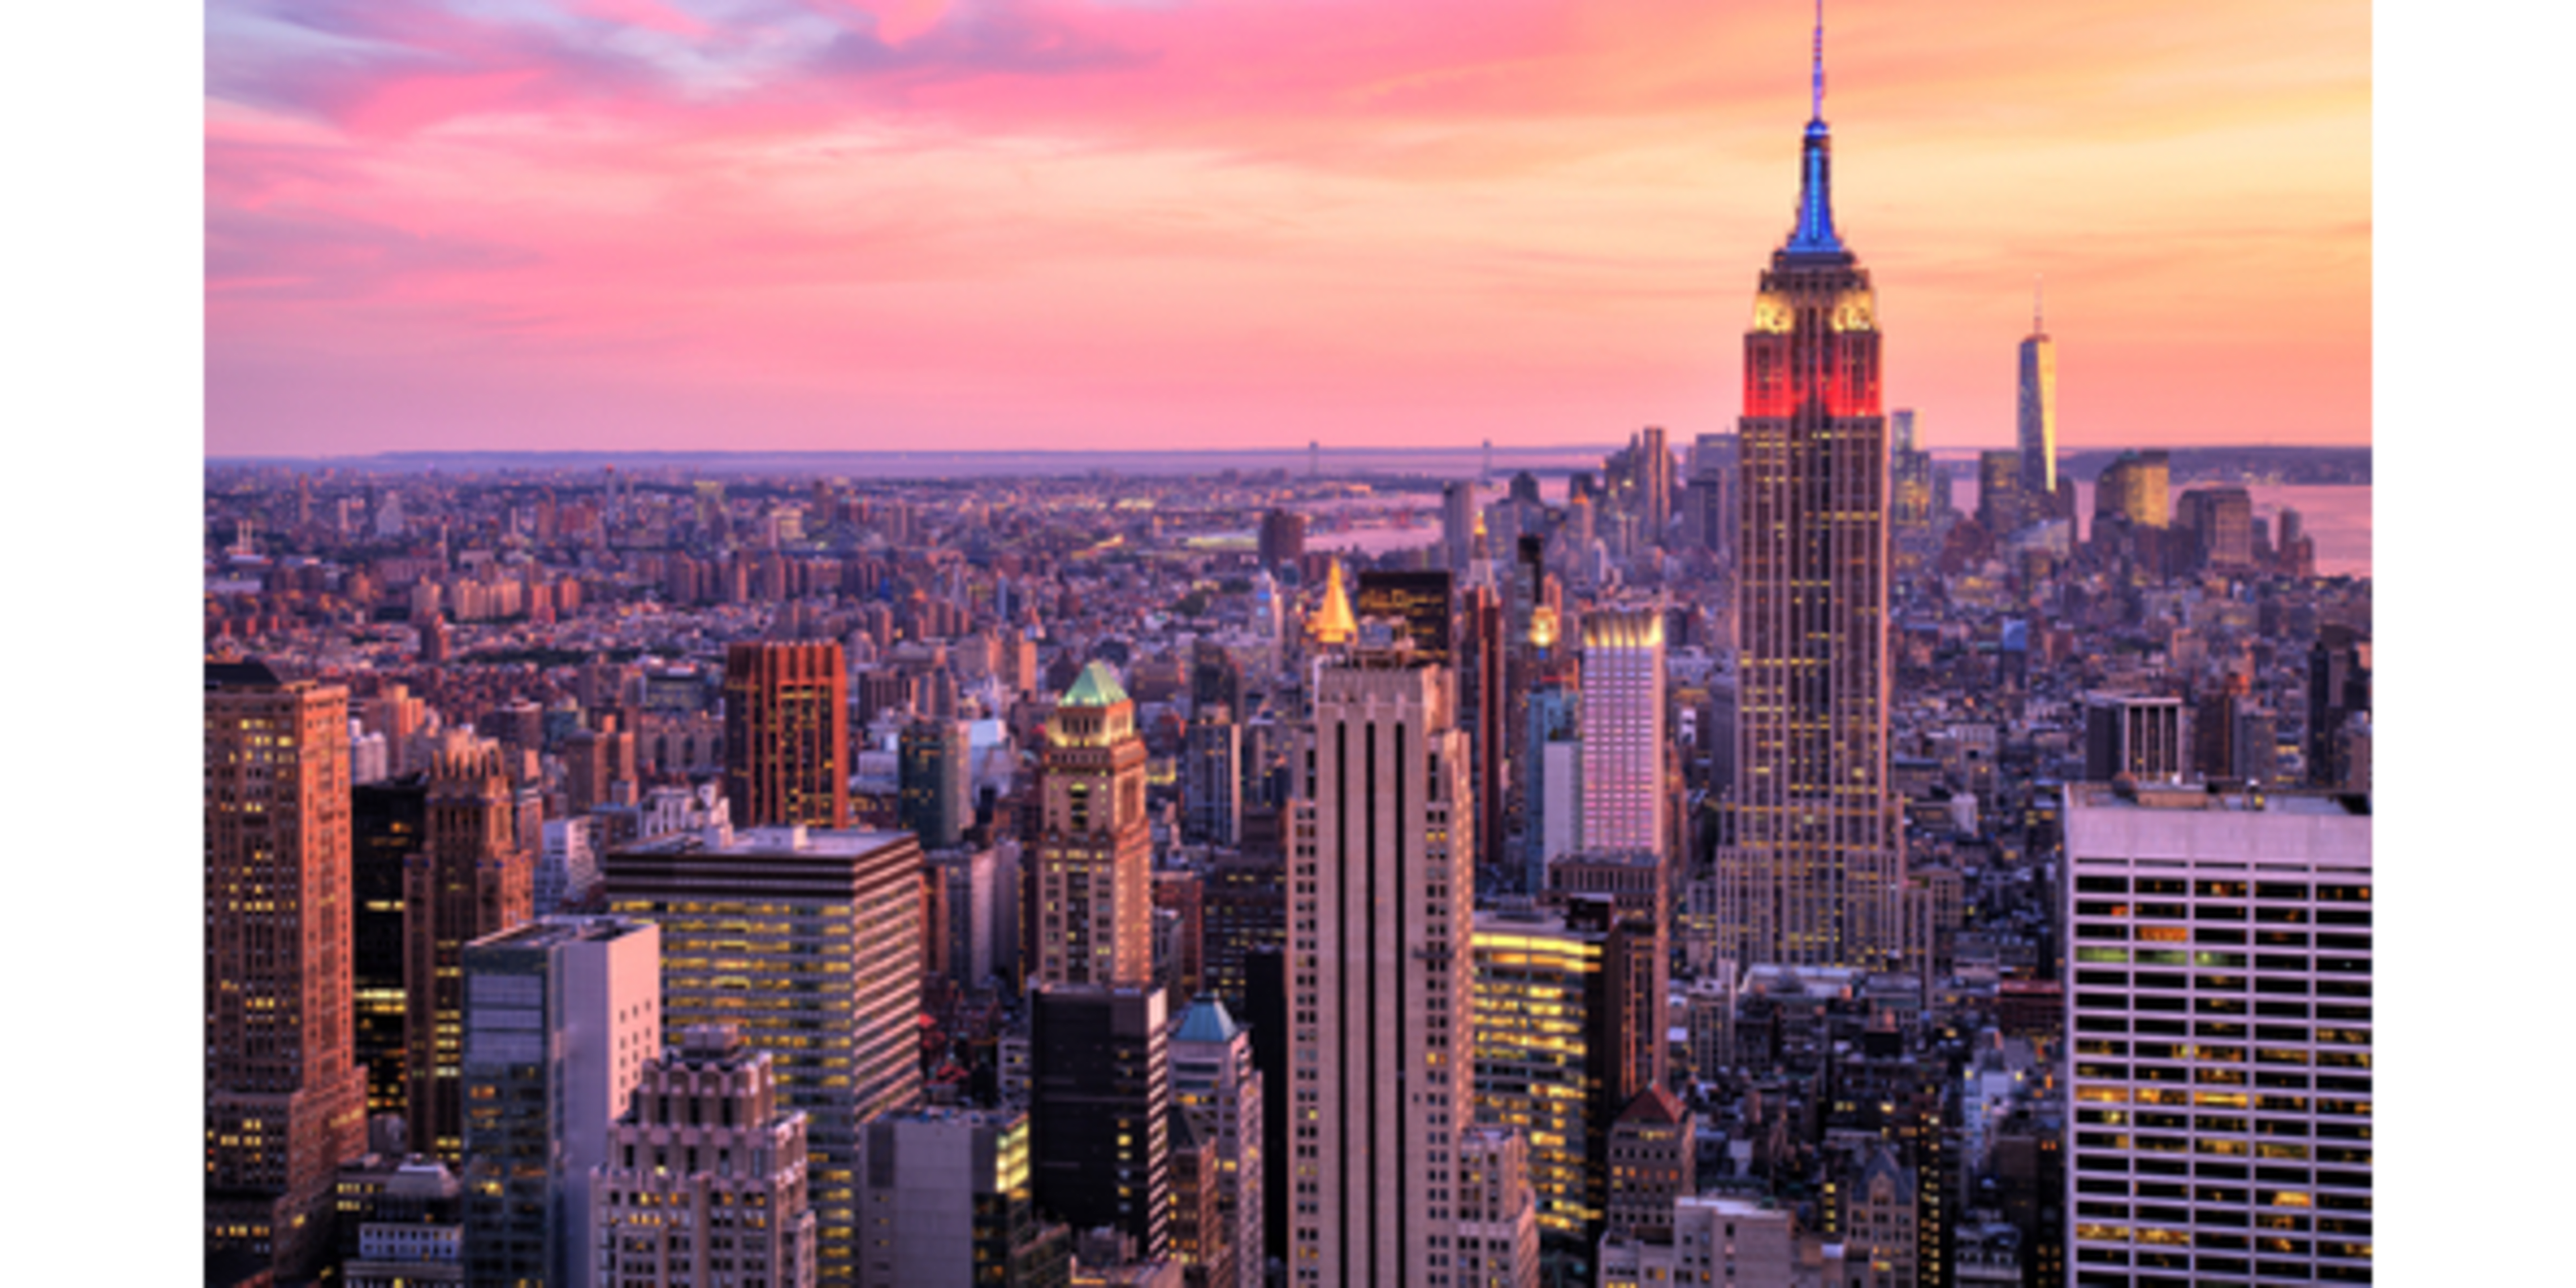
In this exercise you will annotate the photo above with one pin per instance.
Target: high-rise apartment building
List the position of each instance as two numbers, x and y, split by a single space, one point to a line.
810 940
2037 410
472 878
1381 886
1093 920
2220 1019
1815 868
286 1099
561 1018
706 1178
1626 801
787 733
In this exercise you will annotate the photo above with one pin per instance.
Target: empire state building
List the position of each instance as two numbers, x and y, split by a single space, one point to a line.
1814 874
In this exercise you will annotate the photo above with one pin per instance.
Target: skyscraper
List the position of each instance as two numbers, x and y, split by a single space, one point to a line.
1094 916
1650 467
2038 410
1569 1029
2220 1017
1216 1086
1814 872
787 733
1457 524
1100 1099
1282 540
932 774
391 823
286 1099
1381 883
811 942
561 1018
471 879
1625 805
2137 487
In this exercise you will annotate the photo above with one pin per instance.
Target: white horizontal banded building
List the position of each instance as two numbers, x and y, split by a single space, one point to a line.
2219 1025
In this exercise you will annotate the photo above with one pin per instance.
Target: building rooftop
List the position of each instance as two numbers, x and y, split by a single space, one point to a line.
2194 825
1097 686
1207 1021
821 842
545 932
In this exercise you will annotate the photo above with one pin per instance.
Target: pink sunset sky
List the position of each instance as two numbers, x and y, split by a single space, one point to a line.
864 224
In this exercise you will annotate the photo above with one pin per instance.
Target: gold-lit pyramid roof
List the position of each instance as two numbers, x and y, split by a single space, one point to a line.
1333 623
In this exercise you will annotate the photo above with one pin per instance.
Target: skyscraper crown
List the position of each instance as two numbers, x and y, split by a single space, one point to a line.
1814 234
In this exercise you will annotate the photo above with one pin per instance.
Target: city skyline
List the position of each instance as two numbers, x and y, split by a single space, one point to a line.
1033 224
1760 864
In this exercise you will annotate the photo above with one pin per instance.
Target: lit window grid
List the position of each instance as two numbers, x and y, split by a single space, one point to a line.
1533 1065
2287 1216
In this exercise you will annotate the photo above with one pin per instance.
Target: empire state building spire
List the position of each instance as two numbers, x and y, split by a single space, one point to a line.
1815 232
1815 873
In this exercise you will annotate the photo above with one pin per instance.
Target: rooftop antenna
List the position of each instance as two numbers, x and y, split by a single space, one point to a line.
2038 286
1819 110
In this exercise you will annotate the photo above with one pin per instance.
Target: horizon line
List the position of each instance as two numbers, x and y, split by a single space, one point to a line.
409 454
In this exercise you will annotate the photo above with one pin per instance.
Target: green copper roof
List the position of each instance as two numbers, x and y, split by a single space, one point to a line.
1097 686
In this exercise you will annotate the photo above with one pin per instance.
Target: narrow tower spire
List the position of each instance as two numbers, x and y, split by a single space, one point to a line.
1814 234
2038 298
1818 112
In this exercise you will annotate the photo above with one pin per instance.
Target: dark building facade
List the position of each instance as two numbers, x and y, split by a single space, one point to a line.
1100 1102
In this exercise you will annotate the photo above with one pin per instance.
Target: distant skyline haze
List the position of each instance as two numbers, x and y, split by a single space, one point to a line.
662 225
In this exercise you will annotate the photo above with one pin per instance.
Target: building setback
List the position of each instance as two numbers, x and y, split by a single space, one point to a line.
705 1180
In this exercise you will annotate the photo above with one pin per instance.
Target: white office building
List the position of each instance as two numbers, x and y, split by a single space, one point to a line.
2219 1024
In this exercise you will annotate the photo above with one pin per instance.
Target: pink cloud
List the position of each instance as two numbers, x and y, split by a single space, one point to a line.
1038 218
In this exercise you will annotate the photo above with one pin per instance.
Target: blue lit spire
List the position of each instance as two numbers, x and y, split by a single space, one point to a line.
1815 232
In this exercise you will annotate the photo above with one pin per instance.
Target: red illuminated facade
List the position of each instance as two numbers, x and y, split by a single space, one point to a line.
787 734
